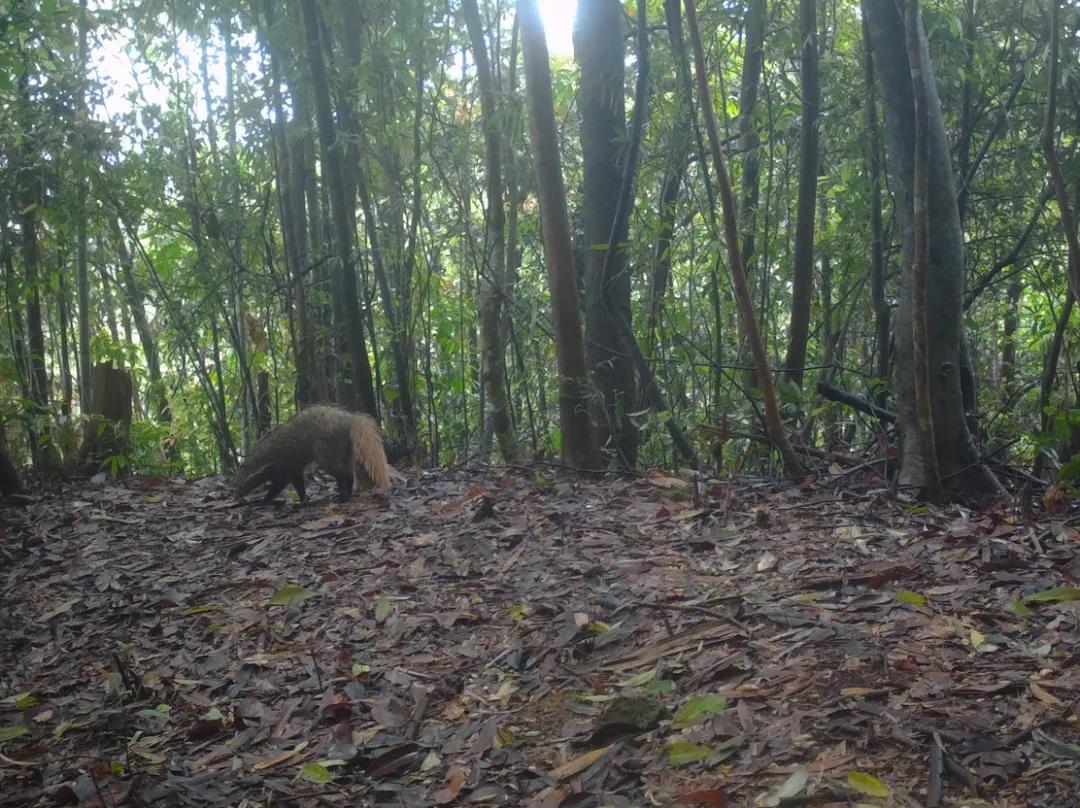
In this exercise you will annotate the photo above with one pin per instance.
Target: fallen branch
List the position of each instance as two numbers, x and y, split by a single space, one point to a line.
826 390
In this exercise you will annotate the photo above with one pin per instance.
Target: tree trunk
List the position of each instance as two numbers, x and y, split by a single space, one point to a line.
930 487
1008 339
578 440
147 339
44 455
802 281
82 280
293 225
1057 176
64 316
882 312
492 286
395 298
774 424
361 389
598 47
957 457
679 141
106 435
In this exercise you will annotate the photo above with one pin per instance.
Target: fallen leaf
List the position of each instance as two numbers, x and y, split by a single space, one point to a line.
579 764
867 784
448 793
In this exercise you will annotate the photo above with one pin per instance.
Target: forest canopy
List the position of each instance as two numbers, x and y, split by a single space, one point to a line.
758 237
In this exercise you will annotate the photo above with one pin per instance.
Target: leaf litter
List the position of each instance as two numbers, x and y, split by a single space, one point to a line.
536 643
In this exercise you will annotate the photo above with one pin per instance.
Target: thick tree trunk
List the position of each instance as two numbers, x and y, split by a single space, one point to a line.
598 47
802 280
920 260
958 459
106 434
362 393
578 439
492 285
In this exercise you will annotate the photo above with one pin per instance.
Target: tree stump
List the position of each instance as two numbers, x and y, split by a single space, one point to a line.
106 433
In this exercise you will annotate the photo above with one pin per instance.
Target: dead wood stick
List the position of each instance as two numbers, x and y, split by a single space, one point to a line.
826 390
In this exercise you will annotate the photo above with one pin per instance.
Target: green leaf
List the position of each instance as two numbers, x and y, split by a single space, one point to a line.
865 784
1018 608
640 679
1059 594
912 598
697 708
660 686
682 753
12 731
290 596
24 701
316 773
382 609
793 786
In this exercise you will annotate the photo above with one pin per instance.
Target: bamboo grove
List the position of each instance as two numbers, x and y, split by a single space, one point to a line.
757 237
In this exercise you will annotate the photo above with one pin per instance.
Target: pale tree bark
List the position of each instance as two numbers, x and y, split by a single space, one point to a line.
957 458
492 283
578 439
802 280
774 424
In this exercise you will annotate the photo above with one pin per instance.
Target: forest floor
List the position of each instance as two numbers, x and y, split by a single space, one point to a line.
532 642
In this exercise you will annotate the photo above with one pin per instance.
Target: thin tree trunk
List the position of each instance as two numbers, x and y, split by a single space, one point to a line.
1049 136
679 141
920 263
492 284
1049 375
578 440
774 424
361 389
1008 339
293 226
802 281
749 139
158 398
396 307
82 279
882 312
63 314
